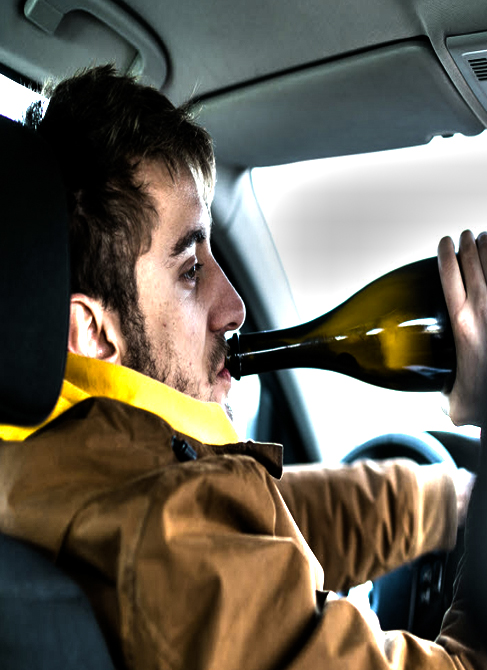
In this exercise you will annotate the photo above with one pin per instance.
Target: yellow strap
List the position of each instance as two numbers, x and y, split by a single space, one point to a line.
88 377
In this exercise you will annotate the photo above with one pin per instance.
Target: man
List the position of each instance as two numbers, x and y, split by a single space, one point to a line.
194 558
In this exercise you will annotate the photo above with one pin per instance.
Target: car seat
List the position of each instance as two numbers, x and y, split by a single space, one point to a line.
46 621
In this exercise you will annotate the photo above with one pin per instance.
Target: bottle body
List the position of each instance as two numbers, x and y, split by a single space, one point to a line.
393 333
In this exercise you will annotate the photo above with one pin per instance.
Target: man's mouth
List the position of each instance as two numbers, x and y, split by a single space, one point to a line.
218 370
225 374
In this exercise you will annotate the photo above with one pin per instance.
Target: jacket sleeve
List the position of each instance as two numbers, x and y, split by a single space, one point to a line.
211 572
375 515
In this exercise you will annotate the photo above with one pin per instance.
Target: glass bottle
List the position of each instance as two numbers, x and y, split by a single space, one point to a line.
393 333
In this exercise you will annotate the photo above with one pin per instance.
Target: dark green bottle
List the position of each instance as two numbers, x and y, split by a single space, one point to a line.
393 333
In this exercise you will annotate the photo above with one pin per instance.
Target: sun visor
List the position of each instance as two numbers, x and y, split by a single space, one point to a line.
389 97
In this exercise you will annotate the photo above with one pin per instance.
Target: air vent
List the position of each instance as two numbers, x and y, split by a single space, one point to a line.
470 54
479 67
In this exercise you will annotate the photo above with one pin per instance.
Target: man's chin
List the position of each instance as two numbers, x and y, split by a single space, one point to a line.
220 396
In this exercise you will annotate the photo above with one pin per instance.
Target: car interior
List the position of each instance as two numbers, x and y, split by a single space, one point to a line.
274 84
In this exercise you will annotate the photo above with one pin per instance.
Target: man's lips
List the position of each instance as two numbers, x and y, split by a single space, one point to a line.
225 374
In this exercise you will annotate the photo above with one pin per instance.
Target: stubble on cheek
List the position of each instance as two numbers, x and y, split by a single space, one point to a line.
161 361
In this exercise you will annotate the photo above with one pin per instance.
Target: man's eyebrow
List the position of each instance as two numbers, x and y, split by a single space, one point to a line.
195 236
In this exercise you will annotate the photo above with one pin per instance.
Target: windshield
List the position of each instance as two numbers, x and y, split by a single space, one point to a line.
341 222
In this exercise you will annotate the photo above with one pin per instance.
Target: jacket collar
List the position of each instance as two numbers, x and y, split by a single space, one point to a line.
87 377
205 422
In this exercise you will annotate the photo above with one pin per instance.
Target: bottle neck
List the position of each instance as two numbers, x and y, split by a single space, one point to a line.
253 353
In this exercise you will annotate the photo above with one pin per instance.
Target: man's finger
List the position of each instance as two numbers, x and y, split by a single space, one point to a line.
472 271
482 249
451 277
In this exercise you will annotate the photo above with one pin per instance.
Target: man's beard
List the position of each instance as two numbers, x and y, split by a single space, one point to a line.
164 368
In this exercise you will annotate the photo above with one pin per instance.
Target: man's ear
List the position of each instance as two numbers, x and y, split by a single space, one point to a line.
94 331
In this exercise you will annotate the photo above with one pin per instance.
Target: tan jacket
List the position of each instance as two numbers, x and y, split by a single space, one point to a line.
198 563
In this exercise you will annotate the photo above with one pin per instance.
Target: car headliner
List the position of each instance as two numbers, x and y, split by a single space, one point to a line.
353 76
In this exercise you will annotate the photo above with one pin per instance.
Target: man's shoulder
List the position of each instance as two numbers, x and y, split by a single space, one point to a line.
101 417
106 428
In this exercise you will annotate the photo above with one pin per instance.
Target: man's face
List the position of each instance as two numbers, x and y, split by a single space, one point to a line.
186 301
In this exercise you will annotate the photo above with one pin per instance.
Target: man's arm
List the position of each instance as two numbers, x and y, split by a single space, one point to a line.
210 574
217 581
374 515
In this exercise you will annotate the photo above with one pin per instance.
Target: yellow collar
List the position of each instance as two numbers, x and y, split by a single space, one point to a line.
87 377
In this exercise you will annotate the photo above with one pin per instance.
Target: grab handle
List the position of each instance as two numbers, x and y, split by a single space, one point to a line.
150 60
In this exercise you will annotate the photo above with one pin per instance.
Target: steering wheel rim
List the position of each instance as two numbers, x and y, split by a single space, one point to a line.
422 448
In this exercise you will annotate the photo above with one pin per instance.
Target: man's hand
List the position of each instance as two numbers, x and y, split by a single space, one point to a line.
466 299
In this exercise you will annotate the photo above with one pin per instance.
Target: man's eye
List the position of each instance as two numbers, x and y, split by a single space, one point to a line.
192 275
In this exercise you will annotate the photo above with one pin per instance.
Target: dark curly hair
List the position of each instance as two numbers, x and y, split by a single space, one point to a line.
102 127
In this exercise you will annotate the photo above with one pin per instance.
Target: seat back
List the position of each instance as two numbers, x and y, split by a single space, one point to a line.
34 277
46 621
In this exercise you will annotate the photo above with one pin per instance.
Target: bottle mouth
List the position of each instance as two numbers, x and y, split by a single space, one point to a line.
232 360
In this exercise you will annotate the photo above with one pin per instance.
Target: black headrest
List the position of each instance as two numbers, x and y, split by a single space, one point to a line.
34 277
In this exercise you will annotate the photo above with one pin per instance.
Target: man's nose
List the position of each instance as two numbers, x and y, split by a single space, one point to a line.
228 312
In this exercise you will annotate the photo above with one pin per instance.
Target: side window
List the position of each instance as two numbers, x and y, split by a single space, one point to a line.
15 98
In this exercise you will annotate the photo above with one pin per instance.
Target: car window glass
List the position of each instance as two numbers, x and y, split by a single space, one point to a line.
341 222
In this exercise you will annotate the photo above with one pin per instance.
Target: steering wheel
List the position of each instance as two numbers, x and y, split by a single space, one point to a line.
415 596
